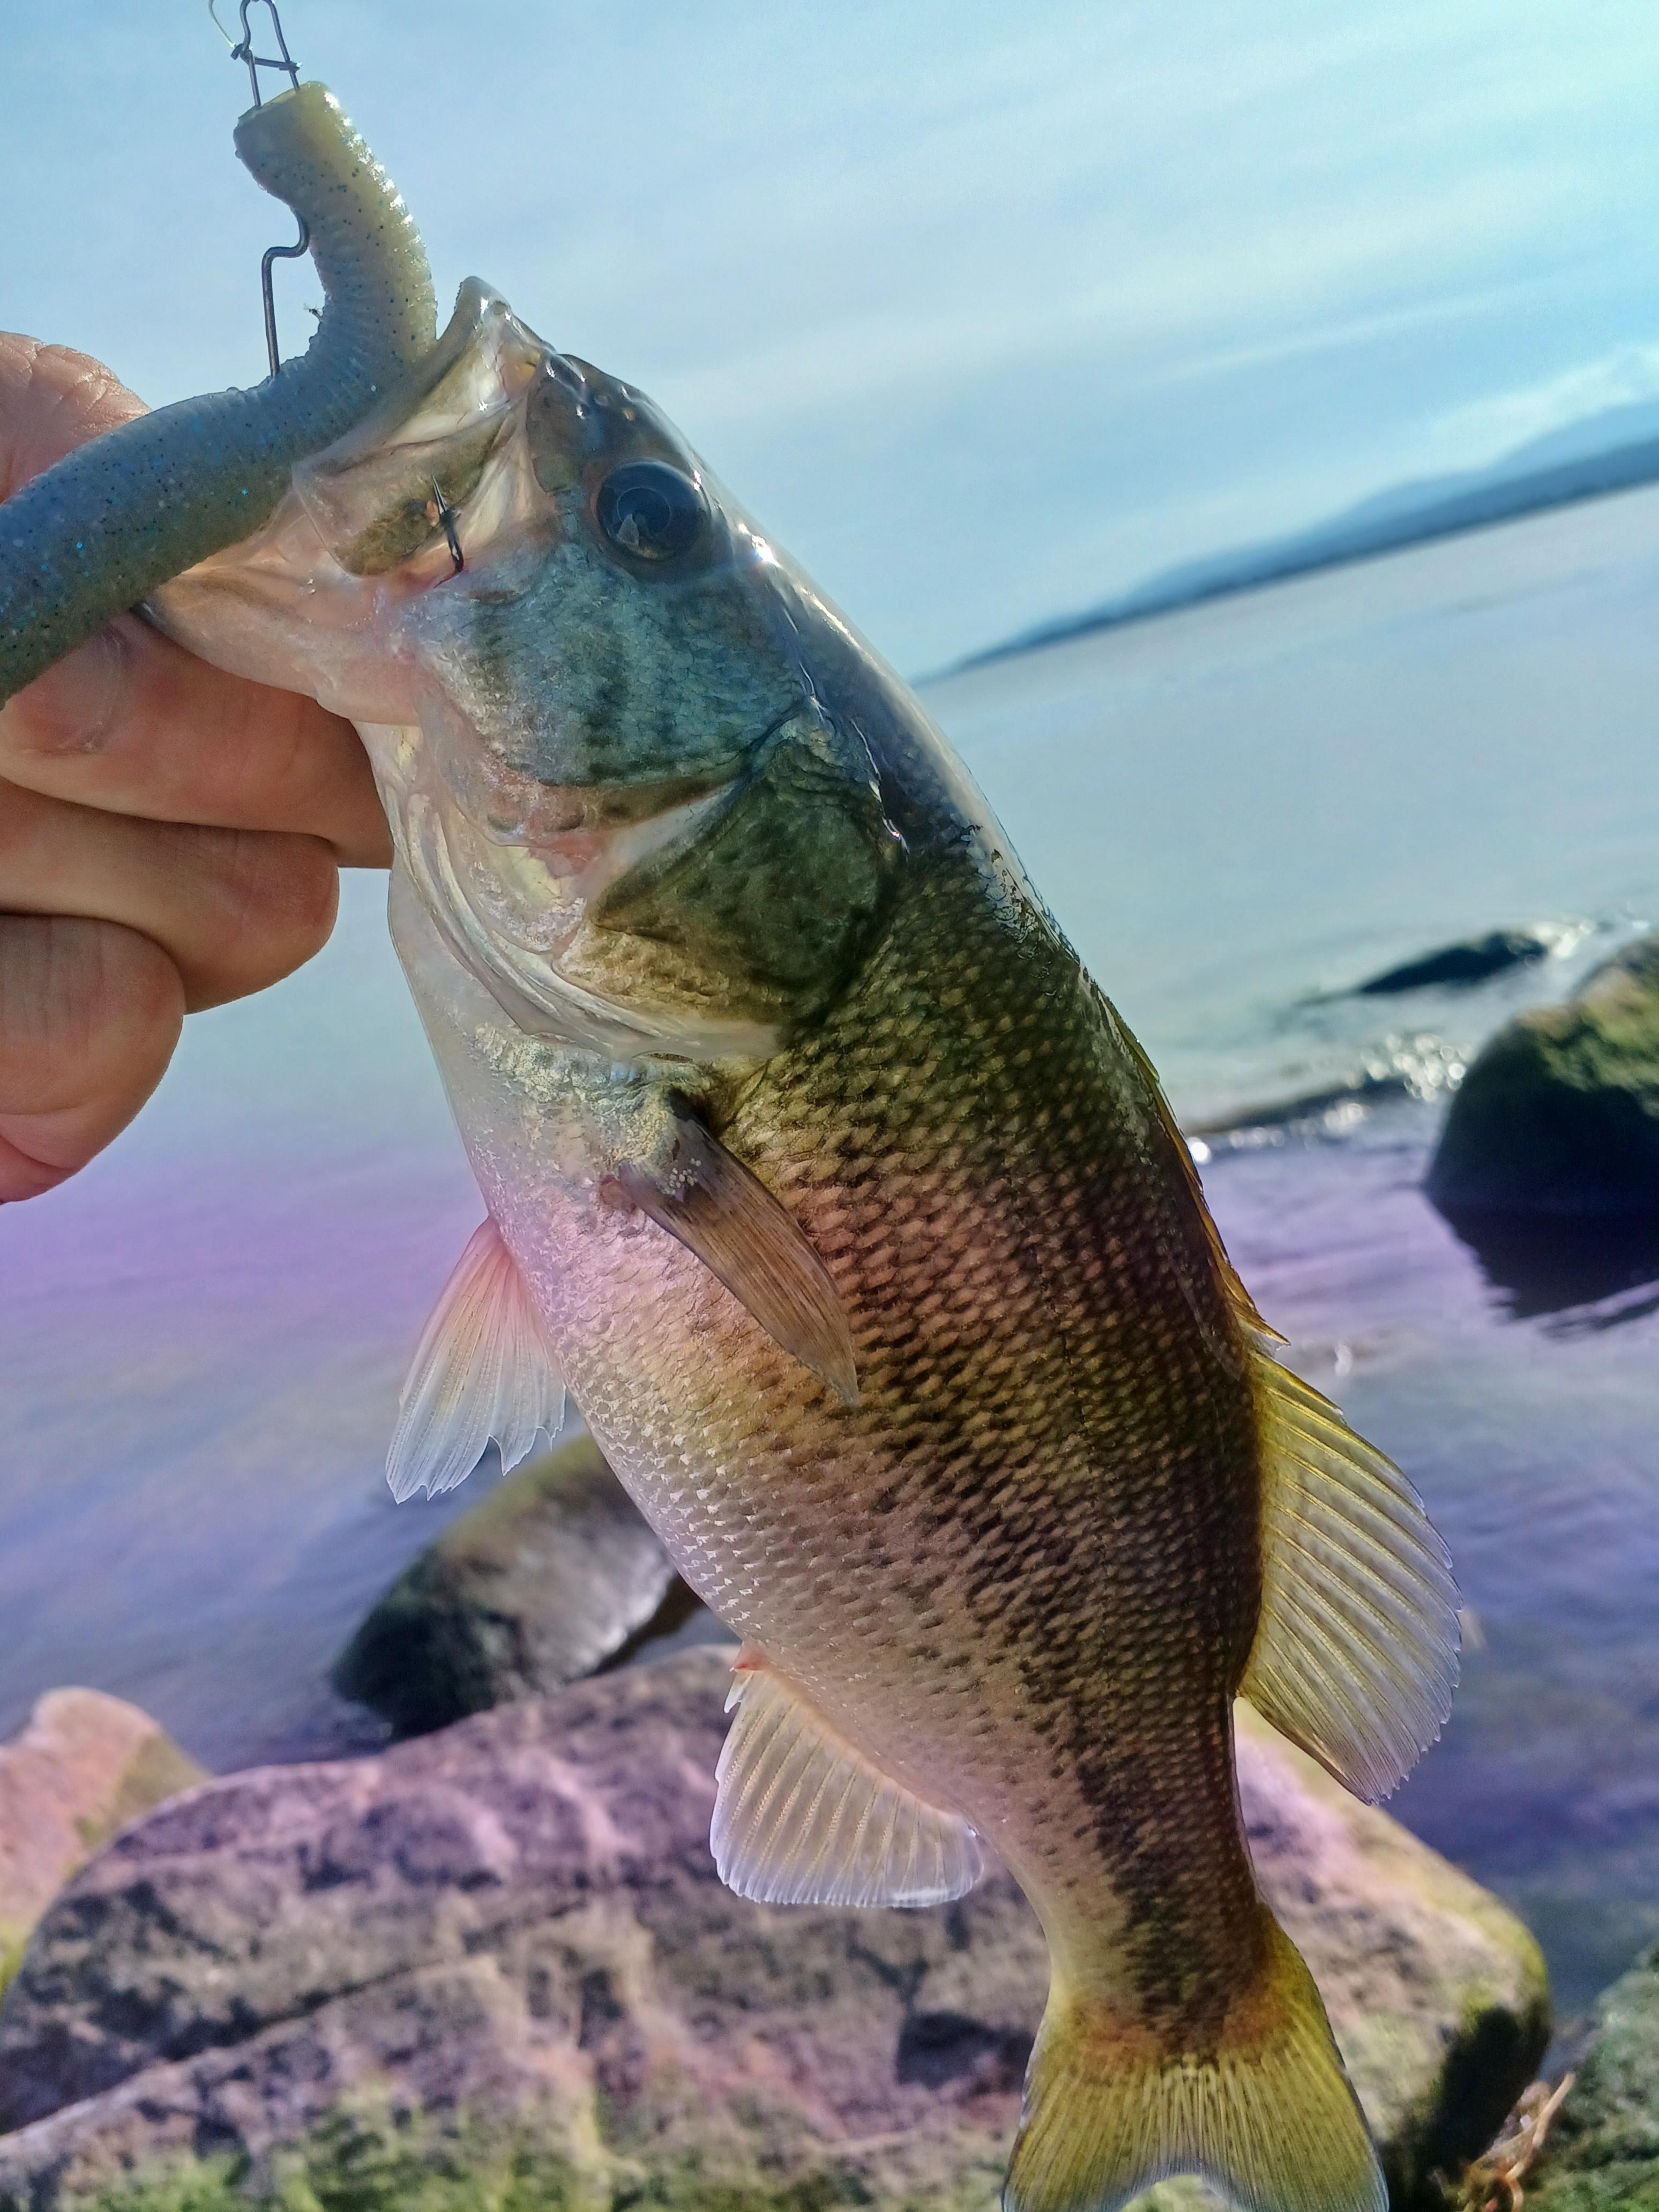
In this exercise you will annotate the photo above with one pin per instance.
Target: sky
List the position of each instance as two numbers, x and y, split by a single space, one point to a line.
985 312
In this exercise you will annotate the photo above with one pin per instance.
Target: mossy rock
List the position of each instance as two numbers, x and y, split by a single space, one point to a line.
518 1918
1558 1114
1603 2150
550 1577
372 2154
375 2153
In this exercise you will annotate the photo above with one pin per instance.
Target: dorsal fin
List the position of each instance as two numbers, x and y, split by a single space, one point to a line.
1189 1187
1356 1653
1355 1656
482 1373
804 1817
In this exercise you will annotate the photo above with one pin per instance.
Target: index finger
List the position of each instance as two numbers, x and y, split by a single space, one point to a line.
132 723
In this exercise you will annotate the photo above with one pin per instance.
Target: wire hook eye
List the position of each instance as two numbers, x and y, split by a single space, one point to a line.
244 51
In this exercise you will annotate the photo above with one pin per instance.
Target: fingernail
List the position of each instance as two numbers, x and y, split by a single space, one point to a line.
75 706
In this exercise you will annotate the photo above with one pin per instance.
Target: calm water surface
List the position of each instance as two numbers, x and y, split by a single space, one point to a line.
1236 812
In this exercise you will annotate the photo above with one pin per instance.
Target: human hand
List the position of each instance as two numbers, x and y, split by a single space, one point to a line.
170 836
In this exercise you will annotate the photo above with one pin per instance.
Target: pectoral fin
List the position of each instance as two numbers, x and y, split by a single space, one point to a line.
802 1817
702 1194
1356 1656
482 1373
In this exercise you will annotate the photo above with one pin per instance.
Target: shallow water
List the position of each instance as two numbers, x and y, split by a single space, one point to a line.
203 1337
1519 1390
1240 808
1235 812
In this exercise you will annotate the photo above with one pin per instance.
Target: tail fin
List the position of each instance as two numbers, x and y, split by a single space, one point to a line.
1269 2119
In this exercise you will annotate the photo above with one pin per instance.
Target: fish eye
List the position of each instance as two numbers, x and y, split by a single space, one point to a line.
651 510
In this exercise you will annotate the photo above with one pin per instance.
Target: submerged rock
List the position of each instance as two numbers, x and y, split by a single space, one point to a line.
1559 1115
1472 961
544 1581
515 1926
1602 2150
82 1766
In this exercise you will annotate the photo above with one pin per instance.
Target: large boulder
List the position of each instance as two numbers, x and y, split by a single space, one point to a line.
515 1926
548 1578
82 1766
1558 1114
1602 2148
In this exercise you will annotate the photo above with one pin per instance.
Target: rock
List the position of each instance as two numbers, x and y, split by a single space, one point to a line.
516 1925
1602 2150
82 1766
543 1581
1559 1115
1459 965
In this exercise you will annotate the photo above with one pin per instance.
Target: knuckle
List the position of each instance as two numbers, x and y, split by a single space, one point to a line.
76 707
89 1014
136 992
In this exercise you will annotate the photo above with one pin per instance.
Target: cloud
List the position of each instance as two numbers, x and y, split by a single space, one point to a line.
1483 428
1132 303
1069 290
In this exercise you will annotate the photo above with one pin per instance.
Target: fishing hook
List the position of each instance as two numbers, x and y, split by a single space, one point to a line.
446 517
295 253
243 53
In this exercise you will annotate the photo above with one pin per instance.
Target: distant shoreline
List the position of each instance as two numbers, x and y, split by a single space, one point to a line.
1364 533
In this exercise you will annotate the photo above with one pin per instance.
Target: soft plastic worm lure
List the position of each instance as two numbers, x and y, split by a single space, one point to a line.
124 513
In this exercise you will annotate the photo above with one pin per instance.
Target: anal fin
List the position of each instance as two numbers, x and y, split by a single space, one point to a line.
802 1817
482 1373
1356 1654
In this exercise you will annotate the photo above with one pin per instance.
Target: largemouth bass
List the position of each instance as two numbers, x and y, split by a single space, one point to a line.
854 1220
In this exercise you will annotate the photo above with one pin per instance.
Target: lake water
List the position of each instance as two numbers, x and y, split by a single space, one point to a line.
1235 812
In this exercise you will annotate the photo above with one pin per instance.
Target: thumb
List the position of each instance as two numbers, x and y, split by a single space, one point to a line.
51 400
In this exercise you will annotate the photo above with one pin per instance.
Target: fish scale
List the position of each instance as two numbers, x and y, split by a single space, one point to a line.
960 1224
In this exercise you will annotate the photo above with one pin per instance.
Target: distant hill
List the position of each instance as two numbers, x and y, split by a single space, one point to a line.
1610 451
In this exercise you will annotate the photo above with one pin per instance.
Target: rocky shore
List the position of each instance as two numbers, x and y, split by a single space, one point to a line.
502 1950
